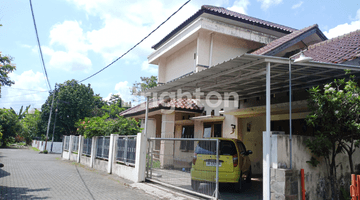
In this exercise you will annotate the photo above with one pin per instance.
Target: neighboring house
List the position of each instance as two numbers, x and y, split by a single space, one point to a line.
213 41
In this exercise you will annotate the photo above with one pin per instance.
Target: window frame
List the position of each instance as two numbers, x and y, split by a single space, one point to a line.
212 125
185 146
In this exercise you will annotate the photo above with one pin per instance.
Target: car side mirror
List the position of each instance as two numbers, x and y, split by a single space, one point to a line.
249 152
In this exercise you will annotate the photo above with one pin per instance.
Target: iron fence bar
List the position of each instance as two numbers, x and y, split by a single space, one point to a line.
182 189
151 157
217 169
125 150
148 160
103 145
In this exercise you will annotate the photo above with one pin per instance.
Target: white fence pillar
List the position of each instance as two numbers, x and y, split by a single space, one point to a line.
70 145
140 158
80 148
111 152
93 151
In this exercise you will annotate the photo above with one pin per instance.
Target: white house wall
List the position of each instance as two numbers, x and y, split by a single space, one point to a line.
180 63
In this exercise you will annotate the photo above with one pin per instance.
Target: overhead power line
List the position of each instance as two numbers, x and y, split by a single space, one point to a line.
136 43
38 41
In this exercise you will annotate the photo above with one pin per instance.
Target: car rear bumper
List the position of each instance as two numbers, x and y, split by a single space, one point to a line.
210 176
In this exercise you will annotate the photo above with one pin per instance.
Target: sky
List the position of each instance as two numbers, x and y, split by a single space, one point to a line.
80 37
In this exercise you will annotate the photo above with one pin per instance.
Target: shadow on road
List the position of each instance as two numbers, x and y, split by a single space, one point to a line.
20 193
3 173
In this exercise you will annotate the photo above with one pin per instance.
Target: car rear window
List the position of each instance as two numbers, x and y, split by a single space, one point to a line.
209 148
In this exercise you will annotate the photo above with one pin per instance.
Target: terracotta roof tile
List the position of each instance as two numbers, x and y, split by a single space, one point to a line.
223 12
280 41
337 50
184 104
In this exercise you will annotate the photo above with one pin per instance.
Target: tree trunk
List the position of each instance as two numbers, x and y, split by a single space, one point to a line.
351 161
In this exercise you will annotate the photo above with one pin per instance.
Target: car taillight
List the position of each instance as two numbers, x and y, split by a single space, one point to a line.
235 160
194 158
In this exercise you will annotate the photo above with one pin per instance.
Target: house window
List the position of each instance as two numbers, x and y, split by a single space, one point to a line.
212 129
187 132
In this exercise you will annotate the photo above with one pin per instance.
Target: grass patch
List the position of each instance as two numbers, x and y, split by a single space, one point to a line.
35 149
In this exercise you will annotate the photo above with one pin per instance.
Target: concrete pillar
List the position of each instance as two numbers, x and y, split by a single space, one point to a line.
111 152
166 147
80 147
70 145
140 158
93 151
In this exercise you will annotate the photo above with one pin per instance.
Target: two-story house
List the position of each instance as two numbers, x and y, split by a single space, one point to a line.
217 60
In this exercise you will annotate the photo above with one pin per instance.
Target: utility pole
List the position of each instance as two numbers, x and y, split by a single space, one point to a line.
52 140
47 130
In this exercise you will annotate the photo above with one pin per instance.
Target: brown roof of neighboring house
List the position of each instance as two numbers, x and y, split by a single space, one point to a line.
336 50
223 12
179 104
285 41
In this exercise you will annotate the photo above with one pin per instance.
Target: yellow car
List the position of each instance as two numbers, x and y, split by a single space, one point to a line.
234 163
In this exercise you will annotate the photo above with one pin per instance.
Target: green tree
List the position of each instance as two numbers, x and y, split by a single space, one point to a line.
146 83
73 101
335 114
104 126
21 113
6 67
10 124
30 125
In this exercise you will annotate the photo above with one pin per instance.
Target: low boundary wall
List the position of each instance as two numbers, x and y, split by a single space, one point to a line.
57 146
135 173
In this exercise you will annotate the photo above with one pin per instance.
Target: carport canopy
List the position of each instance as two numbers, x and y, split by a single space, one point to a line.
245 75
251 76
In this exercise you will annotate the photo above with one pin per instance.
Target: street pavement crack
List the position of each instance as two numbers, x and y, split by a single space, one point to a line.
84 183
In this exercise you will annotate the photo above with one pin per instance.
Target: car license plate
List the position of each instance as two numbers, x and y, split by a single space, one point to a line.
212 164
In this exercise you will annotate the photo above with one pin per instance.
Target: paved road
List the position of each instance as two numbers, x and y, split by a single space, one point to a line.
30 175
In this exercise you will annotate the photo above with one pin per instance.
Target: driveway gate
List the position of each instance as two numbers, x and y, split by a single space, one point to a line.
173 165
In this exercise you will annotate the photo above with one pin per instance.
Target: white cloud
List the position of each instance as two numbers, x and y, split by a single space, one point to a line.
265 4
123 90
342 29
67 61
153 69
240 6
297 5
25 91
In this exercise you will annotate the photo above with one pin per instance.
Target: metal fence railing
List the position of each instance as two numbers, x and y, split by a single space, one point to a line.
87 146
66 143
126 149
75 144
102 150
190 164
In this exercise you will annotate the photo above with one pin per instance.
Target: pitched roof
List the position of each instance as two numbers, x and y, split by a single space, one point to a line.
284 42
179 104
337 50
223 12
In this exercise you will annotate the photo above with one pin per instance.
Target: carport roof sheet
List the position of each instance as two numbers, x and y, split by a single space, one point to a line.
245 75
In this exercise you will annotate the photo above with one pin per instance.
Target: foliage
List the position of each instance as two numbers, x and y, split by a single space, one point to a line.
6 67
35 149
335 114
21 114
146 83
104 126
73 101
313 162
10 124
30 125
